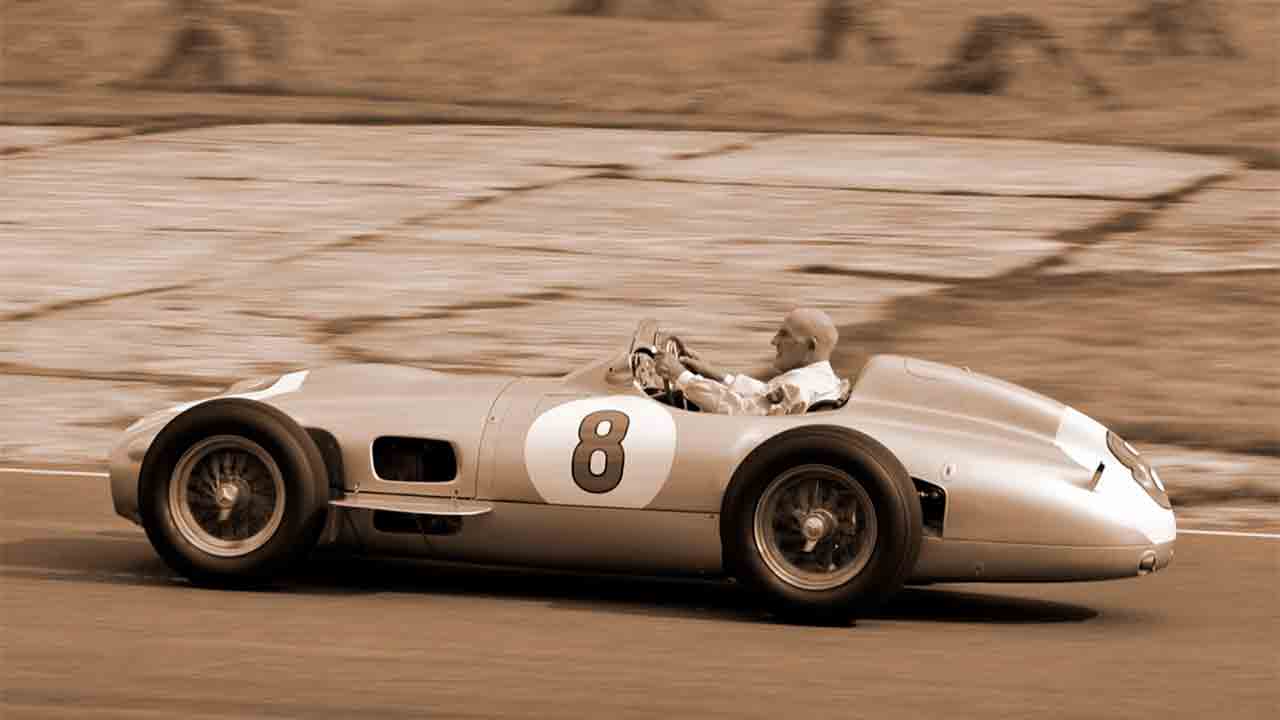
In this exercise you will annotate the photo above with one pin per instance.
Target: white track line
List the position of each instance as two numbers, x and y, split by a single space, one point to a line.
68 473
1230 533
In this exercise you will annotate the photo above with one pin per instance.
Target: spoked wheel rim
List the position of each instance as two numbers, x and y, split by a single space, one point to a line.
815 527
227 496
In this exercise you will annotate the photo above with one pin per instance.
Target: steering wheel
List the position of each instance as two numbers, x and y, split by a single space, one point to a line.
636 354
671 345
675 346
645 341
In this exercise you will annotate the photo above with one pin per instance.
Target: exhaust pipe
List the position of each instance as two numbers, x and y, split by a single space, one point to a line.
1147 564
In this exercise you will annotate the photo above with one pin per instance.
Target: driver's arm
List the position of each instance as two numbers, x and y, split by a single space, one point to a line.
746 385
716 397
743 384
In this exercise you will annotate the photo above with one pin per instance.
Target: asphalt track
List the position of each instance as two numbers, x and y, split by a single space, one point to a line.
94 625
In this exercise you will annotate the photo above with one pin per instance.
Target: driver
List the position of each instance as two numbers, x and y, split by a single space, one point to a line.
804 343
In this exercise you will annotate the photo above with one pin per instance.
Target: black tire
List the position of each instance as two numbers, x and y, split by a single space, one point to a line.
838 452
297 466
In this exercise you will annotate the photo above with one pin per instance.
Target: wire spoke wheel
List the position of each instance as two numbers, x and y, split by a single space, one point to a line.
815 527
227 496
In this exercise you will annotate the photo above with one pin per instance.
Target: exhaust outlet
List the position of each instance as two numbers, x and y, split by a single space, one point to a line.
1147 564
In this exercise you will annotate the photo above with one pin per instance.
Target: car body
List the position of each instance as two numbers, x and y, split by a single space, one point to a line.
1010 485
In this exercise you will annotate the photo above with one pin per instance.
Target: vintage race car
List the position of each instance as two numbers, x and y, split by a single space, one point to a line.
920 473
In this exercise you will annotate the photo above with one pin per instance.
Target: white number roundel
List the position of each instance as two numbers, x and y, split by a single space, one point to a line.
611 451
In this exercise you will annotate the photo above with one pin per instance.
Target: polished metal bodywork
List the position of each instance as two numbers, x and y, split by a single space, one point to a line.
1031 490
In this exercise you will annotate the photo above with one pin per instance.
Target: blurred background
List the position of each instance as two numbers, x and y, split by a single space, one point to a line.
1080 197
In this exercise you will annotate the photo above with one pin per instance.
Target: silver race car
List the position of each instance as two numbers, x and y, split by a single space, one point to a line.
920 473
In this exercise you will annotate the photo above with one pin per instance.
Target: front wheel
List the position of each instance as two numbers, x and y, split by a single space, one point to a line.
227 496
233 492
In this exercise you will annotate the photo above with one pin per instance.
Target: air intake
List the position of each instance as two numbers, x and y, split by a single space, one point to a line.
414 460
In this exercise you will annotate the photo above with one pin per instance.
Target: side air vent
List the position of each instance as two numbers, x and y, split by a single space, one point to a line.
404 459
933 505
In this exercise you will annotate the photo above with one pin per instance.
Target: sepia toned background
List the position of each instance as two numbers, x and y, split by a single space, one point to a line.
1080 197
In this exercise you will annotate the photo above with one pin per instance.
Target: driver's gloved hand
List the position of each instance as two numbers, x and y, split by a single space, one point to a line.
668 366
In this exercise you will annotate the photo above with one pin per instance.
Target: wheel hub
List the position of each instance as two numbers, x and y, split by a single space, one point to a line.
818 524
228 494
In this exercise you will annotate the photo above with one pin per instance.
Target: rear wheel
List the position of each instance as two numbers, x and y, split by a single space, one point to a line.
233 492
815 527
823 523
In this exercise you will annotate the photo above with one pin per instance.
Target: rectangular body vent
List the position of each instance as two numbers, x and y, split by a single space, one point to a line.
933 506
420 460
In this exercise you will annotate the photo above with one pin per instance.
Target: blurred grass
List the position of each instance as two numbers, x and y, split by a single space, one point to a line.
527 58
1185 359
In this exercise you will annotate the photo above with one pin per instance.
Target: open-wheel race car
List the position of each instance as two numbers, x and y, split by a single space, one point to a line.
919 473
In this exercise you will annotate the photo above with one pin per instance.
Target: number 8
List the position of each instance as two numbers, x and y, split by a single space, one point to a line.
610 444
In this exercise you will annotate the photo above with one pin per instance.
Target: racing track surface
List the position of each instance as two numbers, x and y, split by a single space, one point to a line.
94 625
